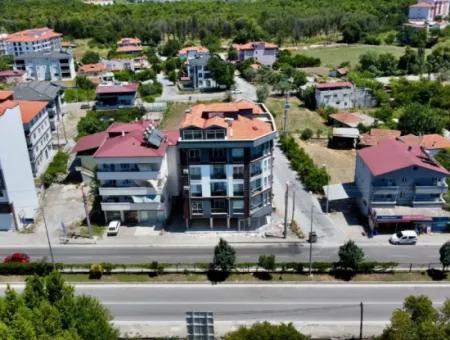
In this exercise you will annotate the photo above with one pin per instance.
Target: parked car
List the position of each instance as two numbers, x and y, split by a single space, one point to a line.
113 228
404 237
17 258
85 107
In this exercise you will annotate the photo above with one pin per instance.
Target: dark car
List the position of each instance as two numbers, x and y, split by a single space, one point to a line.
18 258
85 107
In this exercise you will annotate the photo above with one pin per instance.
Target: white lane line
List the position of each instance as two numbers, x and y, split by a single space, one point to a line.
258 303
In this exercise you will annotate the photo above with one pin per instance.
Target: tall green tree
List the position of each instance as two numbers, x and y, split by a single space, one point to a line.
350 256
224 257
90 57
444 255
221 71
419 120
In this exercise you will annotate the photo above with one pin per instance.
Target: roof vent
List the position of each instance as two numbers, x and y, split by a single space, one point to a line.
409 148
255 128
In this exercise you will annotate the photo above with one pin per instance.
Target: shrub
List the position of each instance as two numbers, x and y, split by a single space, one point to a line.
57 167
96 271
156 267
306 134
107 267
267 262
321 267
38 268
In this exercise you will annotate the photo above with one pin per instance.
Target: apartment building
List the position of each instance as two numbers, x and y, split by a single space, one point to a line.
3 37
44 91
226 163
133 162
192 52
115 95
18 198
32 40
400 184
129 45
263 52
47 65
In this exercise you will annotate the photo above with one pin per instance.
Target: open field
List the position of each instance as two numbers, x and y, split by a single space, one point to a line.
83 46
333 56
340 164
174 115
299 118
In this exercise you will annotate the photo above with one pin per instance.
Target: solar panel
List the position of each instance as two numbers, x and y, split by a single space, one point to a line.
155 137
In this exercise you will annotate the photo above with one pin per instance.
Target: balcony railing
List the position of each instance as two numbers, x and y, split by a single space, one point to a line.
431 189
218 192
219 211
130 175
385 190
126 191
115 206
218 175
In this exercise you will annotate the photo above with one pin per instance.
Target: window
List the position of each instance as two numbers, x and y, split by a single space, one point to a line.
215 134
194 155
197 207
218 189
255 169
218 206
218 172
403 179
238 172
196 190
218 155
238 189
256 185
237 154
192 134
237 206
195 173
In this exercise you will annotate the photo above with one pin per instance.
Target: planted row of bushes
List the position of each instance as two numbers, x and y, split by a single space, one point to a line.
38 268
312 177
57 167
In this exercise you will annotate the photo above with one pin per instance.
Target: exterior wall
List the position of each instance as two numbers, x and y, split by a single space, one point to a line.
118 64
16 49
264 56
18 185
412 186
340 98
39 141
47 68
115 100
199 73
422 14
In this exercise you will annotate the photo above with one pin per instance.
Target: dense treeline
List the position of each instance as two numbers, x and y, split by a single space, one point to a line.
241 20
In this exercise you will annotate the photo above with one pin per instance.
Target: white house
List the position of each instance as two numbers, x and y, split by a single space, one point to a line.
263 52
47 65
433 13
18 198
32 40
343 95
196 61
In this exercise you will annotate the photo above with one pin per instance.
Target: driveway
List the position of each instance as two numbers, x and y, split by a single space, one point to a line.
244 88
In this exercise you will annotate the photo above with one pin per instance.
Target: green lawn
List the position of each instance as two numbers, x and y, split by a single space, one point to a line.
83 46
333 56
299 118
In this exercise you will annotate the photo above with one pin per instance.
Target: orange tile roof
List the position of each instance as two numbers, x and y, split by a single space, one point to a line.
92 68
374 136
5 94
129 41
241 127
9 104
251 45
346 118
422 5
29 109
34 34
428 142
130 48
198 49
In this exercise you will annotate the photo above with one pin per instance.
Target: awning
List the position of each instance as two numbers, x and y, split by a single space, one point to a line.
341 191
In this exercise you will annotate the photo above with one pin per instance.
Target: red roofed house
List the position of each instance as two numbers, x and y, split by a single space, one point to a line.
226 162
192 52
432 143
13 76
92 69
374 136
263 52
133 162
32 40
129 45
399 183
115 96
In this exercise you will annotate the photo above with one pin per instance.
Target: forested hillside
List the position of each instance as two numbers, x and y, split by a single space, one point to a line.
242 20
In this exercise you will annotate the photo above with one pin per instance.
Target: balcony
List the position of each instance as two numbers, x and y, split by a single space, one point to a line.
385 190
431 189
221 210
255 172
127 191
118 206
218 175
431 202
218 192
130 175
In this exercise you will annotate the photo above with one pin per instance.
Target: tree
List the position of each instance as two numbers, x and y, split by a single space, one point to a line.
221 71
171 48
444 253
49 309
408 62
266 331
418 320
90 57
267 262
299 80
350 256
5 62
84 83
420 120
262 92
224 257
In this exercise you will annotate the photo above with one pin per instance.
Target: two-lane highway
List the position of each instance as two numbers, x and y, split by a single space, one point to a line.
245 253
159 309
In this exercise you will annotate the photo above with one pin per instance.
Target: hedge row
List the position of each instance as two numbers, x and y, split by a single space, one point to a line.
312 177
38 268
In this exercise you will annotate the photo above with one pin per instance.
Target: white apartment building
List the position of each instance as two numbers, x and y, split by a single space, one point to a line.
133 162
263 52
33 40
3 37
47 65
18 198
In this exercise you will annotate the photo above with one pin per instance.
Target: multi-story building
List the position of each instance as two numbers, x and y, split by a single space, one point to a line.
32 40
192 52
99 2
226 163
399 183
44 91
196 75
432 13
18 198
263 52
3 37
129 45
47 65
133 162
343 95
115 95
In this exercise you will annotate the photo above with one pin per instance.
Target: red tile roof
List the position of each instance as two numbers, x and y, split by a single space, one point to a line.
92 68
428 142
391 155
122 88
6 105
34 34
346 118
374 136
90 142
251 45
29 109
11 73
126 49
198 49
335 85
129 41
5 95
422 5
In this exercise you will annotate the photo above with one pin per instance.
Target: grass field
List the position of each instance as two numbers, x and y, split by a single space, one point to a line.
174 115
334 56
83 46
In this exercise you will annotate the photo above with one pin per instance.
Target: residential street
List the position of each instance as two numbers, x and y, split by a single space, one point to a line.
245 253
317 309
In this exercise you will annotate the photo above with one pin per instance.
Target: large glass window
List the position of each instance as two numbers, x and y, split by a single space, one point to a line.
237 154
238 189
218 155
237 206
215 134
255 168
194 155
195 172
256 185
218 206
197 207
238 172
218 172
196 190
192 134
218 189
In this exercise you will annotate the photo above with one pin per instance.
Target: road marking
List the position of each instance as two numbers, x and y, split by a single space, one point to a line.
258 303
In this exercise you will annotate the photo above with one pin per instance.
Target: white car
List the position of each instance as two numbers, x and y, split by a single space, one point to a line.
113 228
404 237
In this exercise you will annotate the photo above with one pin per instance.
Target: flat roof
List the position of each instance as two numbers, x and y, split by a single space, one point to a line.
341 191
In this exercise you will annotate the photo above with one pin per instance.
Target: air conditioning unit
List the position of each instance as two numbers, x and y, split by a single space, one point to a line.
186 188
185 171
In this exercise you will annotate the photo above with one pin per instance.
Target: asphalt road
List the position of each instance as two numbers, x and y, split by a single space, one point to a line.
405 255
320 304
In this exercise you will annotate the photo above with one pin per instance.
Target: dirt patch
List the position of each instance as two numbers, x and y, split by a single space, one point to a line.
340 164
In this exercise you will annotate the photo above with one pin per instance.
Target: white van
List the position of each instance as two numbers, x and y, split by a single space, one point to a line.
404 237
113 228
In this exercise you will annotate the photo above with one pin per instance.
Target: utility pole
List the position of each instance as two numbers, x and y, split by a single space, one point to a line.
286 108
286 200
361 321
310 241
293 206
88 219
48 237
